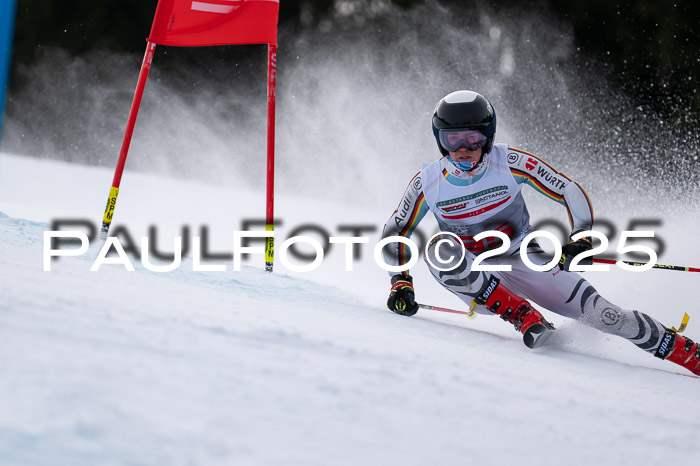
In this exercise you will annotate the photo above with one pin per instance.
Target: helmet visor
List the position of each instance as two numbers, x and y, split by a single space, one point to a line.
455 139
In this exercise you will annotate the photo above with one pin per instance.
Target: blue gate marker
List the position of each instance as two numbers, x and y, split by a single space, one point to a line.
7 27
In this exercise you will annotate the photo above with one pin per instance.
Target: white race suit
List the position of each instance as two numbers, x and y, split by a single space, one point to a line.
489 198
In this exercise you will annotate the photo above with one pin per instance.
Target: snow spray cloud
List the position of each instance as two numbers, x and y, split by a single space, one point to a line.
76 109
356 91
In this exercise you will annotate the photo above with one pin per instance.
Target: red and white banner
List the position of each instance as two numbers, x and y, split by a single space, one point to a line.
192 23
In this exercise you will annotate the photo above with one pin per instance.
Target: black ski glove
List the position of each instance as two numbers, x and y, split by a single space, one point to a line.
573 249
402 299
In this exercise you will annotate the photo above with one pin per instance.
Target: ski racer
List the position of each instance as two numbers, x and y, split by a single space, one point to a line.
476 187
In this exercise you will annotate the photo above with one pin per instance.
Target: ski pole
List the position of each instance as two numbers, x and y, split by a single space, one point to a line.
470 313
655 266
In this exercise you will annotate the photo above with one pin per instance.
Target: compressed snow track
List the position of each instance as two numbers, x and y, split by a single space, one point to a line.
249 368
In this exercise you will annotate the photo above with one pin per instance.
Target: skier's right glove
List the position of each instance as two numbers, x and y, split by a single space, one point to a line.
573 249
402 299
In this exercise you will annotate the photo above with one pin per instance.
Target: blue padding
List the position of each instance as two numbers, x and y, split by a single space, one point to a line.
7 28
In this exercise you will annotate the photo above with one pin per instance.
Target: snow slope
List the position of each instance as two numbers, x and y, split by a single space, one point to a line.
117 367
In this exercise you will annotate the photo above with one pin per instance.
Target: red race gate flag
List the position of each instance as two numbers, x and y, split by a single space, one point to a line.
192 23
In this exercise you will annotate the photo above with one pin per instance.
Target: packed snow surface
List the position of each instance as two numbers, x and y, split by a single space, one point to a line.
250 368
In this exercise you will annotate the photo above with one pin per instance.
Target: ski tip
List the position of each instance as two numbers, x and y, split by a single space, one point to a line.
537 335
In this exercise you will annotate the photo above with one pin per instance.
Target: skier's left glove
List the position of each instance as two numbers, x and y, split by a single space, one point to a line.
573 249
402 299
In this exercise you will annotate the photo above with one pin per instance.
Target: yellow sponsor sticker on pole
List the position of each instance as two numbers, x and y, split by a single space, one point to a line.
269 248
111 202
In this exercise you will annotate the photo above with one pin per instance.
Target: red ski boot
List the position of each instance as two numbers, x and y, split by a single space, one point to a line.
681 350
516 310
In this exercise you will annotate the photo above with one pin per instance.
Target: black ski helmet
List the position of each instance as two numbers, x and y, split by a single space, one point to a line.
465 110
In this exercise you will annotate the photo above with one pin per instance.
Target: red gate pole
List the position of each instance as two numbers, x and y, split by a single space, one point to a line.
269 216
128 133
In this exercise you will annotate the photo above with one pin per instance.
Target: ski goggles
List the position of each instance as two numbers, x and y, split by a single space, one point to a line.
455 139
